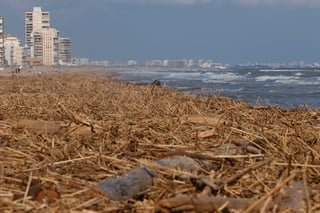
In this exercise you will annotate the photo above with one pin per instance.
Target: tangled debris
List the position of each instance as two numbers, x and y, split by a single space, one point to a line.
65 137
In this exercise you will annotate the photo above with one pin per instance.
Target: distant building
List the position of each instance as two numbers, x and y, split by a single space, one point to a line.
176 63
296 64
50 46
100 63
132 63
13 51
45 46
157 63
209 64
75 61
205 64
34 21
1 42
201 62
148 63
65 55
190 63
43 43
83 61
154 63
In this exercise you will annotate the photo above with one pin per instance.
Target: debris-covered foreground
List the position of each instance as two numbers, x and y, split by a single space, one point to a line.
82 142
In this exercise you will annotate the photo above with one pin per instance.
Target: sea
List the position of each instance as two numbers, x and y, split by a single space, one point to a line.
284 87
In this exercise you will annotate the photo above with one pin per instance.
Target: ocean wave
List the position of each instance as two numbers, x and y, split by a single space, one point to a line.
314 92
298 74
222 77
275 78
292 86
183 75
281 70
297 82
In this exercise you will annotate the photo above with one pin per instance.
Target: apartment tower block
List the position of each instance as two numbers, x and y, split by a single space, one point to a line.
49 39
35 21
65 56
1 42
13 51
43 43
38 37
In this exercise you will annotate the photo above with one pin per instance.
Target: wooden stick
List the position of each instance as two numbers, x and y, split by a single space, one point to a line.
238 175
202 203
275 189
27 189
73 116
298 165
209 157
72 160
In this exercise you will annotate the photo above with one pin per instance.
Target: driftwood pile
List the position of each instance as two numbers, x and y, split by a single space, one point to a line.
81 142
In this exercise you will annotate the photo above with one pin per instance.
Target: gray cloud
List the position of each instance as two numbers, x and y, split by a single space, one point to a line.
182 2
20 5
164 1
308 3
179 1
242 2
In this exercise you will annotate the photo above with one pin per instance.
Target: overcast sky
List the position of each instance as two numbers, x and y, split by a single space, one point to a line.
228 31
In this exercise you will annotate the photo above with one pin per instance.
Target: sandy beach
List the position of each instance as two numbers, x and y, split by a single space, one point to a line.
65 133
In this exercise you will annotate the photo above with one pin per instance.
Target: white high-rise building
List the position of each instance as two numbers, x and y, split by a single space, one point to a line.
65 51
46 46
43 44
13 51
34 21
1 42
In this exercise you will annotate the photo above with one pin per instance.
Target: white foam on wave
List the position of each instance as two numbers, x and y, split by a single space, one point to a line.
297 82
314 92
273 78
280 70
237 90
222 77
182 76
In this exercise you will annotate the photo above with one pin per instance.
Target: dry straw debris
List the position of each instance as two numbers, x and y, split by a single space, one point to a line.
63 134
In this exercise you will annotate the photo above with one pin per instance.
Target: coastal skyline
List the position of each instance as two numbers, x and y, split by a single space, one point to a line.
234 31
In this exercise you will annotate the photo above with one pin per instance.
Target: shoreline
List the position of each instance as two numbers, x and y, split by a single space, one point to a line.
113 72
51 70
288 90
